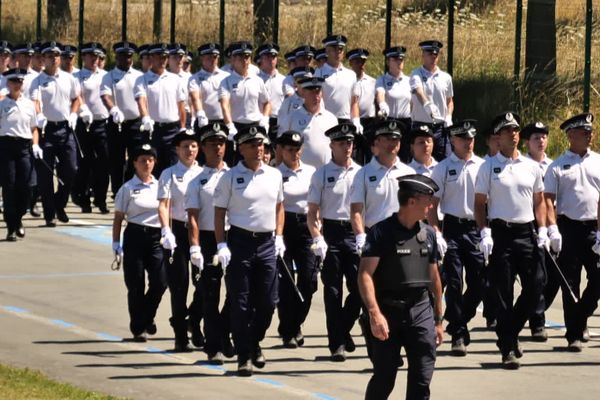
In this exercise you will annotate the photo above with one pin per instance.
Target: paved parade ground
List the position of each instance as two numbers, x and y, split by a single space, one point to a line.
63 311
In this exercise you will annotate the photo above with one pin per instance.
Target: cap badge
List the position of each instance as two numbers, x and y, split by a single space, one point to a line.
589 118
539 125
164 46
296 137
467 125
392 125
509 117
423 128
216 127
146 146
52 44
253 130
345 129
125 45
339 38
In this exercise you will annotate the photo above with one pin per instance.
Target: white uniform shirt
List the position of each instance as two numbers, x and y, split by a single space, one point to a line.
421 169
163 93
316 151
173 184
56 93
252 69
509 186
250 197
288 106
295 187
185 81
274 85
90 83
456 180
287 86
544 164
200 194
138 201
121 85
207 85
437 86
17 117
575 181
330 190
337 89
376 187
364 90
397 94
247 95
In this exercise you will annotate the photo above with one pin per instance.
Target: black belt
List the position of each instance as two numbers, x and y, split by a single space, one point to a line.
406 300
590 222
243 232
500 223
345 223
295 216
457 220
179 224
143 228
166 124
57 123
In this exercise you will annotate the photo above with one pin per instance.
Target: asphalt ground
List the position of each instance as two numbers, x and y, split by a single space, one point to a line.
64 312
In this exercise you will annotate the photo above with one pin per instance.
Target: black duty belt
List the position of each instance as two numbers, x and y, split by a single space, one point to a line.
590 222
453 219
234 230
143 228
500 223
344 223
291 216
166 125
406 300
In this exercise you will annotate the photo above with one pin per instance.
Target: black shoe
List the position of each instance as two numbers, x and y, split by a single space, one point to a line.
491 323
151 329
51 223
197 337
339 355
290 343
518 349
182 347
349 346
539 334
86 209
300 338
509 361
459 349
258 358
11 236
103 209
62 216
244 368
21 231
35 211
575 346
586 335
141 338
216 358
228 349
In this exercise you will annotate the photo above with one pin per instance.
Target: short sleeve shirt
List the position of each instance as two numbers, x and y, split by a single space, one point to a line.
17 118
207 84
200 195
164 92
90 83
330 190
397 94
173 184
337 89
274 85
56 93
364 90
120 85
138 201
247 95
438 88
295 187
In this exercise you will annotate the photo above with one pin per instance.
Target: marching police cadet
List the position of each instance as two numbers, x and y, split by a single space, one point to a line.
297 176
362 101
124 122
295 101
320 57
55 94
398 273
536 141
373 192
339 80
177 55
329 199
161 97
243 95
511 185
304 55
267 62
136 201
312 120
204 86
288 82
23 55
5 58
421 147
145 62
228 67
172 186
432 97
458 241
393 94
91 132
251 194
18 141
201 213
573 181
67 58
37 62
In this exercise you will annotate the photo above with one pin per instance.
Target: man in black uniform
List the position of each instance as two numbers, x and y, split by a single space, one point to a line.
398 274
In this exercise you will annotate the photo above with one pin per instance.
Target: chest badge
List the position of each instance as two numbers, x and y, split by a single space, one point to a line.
566 166
136 191
452 172
497 170
372 178
240 180
179 178
403 251
285 179
330 179
203 181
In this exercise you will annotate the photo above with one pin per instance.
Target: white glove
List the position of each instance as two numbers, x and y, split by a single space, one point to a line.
319 247
168 239
72 121
384 109
117 249
434 112
279 246
85 114
543 241
117 115
147 124
596 246
196 257
264 122
201 118
41 120
486 244
441 244
232 131
361 239
358 125
448 121
37 151
555 238
223 254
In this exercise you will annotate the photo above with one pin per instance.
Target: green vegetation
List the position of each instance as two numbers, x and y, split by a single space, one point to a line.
25 384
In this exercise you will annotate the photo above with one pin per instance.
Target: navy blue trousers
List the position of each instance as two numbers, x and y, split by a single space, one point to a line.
16 170
94 166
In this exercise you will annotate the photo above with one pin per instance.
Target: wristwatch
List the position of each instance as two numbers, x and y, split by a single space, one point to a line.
438 319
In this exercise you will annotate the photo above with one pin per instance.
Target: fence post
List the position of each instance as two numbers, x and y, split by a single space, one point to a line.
38 21
222 30
81 23
588 57
0 18
157 22
450 52
517 68
276 22
388 28
173 11
329 17
124 20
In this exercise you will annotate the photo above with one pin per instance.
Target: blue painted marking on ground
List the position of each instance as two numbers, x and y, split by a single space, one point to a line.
59 275
269 382
109 337
554 325
215 367
15 309
324 396
98 234
62 323
154 350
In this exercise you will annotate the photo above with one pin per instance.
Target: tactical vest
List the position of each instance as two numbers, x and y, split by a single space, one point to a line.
405 265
